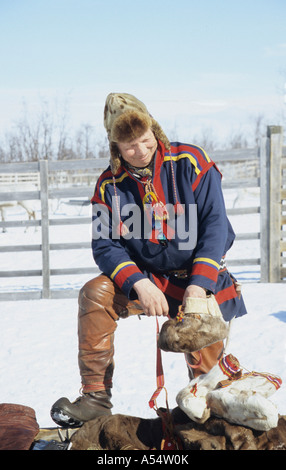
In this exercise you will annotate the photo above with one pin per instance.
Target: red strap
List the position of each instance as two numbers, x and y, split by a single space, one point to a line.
159 372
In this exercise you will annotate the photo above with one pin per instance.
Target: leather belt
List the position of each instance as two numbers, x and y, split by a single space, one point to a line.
179 273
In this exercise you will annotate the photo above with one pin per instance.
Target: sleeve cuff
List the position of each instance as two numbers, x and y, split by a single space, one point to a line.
125 275
204 273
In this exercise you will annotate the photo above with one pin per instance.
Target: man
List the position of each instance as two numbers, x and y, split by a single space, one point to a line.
170 248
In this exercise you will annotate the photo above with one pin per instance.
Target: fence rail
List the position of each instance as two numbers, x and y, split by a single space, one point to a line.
251 168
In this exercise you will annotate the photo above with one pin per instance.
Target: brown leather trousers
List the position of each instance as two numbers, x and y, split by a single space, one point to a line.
101 304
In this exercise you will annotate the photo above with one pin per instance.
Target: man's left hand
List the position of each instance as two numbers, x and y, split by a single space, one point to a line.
194 291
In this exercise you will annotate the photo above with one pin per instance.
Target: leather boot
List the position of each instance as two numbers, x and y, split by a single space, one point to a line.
86 407
101 304
201 362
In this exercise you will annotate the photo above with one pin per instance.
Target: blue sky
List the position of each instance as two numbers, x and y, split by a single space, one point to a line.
213 64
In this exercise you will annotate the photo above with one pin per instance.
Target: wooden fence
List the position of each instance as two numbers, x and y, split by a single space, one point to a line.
52 176
262 168
273 206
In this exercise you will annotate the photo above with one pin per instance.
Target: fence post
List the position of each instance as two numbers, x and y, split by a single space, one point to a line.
44 180
275 134
264 208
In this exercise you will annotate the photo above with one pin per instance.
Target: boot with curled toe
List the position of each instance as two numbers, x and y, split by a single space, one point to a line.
86 407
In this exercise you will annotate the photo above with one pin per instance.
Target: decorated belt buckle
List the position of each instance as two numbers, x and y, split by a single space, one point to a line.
180 274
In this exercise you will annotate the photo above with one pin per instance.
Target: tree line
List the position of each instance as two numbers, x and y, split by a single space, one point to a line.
48 136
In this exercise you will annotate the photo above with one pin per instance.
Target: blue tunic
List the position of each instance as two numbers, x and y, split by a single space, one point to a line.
174 251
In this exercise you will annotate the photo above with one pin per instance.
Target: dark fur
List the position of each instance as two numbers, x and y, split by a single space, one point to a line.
130 126
123 432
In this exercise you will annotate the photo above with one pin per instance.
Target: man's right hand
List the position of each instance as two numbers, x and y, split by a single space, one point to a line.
152 300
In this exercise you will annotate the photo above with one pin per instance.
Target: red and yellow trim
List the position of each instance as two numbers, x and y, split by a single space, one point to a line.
205 267
124 271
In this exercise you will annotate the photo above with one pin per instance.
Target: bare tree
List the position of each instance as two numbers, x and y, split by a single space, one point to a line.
85 142
206 140
45 136
237 140
47 131
103 148
62 136
259 128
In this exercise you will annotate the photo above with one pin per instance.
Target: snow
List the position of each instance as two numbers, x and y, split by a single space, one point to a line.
38 354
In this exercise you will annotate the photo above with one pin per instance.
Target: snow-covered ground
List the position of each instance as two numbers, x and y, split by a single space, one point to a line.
38 353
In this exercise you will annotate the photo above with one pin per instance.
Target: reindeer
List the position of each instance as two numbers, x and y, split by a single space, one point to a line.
4 205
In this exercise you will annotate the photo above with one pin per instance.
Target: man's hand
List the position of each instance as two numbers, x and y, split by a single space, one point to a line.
194 291
152 300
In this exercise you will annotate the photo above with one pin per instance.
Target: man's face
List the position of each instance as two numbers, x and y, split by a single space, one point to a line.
139 152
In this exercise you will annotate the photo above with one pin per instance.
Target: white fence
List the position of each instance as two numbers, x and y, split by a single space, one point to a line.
247 168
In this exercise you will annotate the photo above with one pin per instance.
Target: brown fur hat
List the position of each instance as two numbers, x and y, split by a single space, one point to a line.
126 118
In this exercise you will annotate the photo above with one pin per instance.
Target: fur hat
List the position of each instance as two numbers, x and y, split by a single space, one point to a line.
126 118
